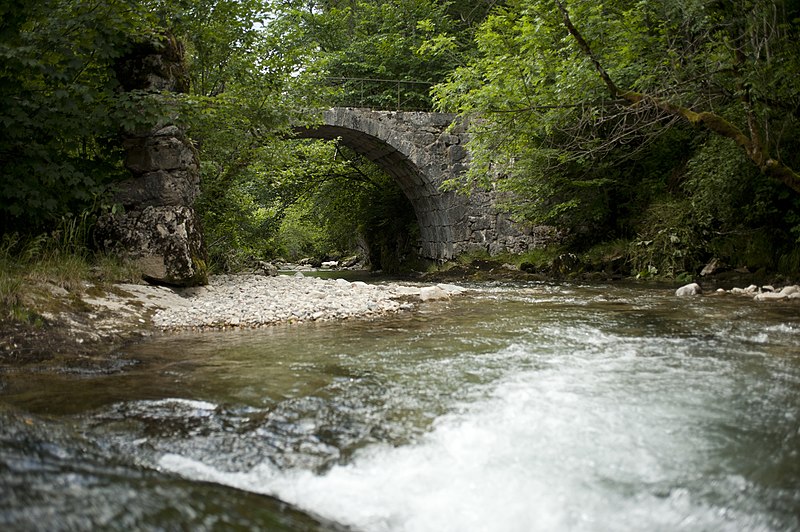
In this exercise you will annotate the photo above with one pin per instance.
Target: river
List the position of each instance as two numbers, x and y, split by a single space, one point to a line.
527 407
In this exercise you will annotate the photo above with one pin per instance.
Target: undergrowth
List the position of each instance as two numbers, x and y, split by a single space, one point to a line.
60 259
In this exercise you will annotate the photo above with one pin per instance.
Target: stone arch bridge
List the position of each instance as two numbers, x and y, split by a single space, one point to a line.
422 150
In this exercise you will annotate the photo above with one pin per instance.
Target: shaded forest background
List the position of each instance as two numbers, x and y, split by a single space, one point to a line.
660 133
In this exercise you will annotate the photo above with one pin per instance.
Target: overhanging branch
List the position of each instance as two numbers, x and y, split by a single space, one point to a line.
708 120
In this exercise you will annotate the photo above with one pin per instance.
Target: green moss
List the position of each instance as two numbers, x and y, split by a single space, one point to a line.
540 255
200 277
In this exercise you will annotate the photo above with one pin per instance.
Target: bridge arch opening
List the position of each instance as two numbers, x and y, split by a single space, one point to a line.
353 208
409 148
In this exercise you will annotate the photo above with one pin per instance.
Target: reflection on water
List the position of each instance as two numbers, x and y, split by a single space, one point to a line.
529 407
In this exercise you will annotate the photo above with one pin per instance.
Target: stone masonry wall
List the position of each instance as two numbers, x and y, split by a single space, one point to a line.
421 151
158 228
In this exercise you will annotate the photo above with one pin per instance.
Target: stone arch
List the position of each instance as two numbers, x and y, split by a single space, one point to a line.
420 151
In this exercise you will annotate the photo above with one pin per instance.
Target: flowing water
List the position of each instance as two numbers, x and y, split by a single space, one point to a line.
515 408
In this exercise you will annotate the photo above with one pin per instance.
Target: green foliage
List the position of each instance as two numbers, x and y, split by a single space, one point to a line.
355 209
746 218
303 235
263 195
668 243
360 42
537 89
307 199
248 87
547 126
60 111
608 253
725 191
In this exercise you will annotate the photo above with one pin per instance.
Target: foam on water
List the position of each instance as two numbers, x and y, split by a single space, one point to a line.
589 443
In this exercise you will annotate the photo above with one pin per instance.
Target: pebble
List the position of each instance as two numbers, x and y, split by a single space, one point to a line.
763 293
251 300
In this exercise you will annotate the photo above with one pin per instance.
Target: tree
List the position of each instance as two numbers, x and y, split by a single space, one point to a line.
601 119
256 66
351 207
247 89
562 90
763 56
359 43
60 109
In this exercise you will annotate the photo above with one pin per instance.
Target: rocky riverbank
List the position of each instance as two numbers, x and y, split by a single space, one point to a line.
257 301
759 293
80 331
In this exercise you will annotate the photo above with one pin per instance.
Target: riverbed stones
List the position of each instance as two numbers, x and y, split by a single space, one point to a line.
433 293
790 290
451 288
787 292
256 301
691 289
758 293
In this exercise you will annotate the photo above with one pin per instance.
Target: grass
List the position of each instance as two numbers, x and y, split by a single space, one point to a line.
27 266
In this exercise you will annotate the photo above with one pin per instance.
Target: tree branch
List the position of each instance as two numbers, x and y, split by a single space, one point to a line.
713 122
587 50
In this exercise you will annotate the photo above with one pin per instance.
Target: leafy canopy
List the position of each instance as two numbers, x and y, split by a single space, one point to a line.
60 108
560 90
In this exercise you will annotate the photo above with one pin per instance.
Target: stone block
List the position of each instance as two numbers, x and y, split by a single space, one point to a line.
424 139
461 232
158 189
166 241
479 223
428 249
150 154
449 140
170 130
496 248
456 154
458 212
457 169
470 247
478 237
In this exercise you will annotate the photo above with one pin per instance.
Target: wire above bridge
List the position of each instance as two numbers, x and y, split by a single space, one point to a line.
382 94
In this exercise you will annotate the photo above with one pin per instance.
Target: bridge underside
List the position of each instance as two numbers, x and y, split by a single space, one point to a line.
424 196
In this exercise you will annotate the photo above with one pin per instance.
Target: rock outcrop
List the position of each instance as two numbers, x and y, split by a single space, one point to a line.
158 226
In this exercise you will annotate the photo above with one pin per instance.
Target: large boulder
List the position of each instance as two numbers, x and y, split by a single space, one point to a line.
165 242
